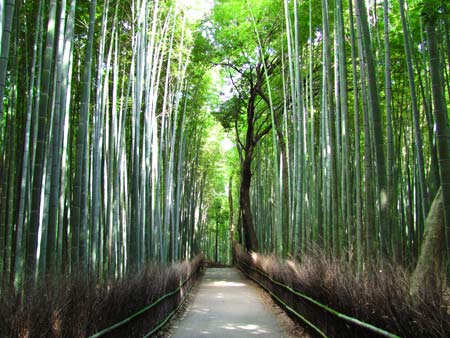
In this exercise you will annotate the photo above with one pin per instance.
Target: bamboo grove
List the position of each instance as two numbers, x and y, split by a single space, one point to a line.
340 112
101 133
109 132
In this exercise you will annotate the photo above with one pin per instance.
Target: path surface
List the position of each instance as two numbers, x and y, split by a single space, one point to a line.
225 305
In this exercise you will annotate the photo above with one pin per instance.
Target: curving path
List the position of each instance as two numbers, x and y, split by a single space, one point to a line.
226 305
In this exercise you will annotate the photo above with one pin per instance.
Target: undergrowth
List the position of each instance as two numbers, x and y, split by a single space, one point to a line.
77 306
379 297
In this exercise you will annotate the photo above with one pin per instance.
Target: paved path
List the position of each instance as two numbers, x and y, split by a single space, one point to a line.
225 305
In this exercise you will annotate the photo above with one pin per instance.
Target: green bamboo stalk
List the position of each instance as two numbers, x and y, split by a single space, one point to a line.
78 258
4 55
35 217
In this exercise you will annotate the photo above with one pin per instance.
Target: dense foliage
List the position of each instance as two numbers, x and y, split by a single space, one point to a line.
148 131
344 91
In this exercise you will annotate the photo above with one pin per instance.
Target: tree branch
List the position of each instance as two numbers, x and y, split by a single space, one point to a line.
260 135
238 139
241 96
230 65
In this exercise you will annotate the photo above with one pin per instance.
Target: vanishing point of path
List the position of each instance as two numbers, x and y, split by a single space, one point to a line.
226 305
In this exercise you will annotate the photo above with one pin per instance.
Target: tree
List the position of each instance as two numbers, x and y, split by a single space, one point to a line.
78 224
430 13
248 111
5 42
44 103
376 126
426 276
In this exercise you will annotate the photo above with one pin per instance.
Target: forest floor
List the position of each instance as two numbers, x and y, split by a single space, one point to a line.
225 304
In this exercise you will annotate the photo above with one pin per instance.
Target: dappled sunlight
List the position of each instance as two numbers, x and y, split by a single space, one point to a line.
295 267
226 306
250 327
254 256
236 328
228 327
256 329
383 199
203 311
227 284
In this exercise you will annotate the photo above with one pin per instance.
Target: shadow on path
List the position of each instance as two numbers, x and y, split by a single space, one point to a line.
226 306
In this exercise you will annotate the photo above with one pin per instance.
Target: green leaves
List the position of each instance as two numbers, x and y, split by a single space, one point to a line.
232 30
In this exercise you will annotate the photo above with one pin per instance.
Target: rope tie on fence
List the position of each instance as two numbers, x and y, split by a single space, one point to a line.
338 314
148 307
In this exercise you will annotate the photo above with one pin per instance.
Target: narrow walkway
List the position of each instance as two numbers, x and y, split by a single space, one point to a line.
226 306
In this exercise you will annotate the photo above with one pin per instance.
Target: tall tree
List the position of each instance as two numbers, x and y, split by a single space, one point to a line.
414 105
431 13
80 179
329 110
250 111
5 42
376 126
389 130
44 103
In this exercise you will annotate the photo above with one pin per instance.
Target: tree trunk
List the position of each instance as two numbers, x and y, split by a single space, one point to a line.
334 223
56 137
346 187
425 278
389 132
82 150
251 242
231 206
440 115
216 257
26 163
285 188
417 134
32 235
357 151
369 200
8 17
376 127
